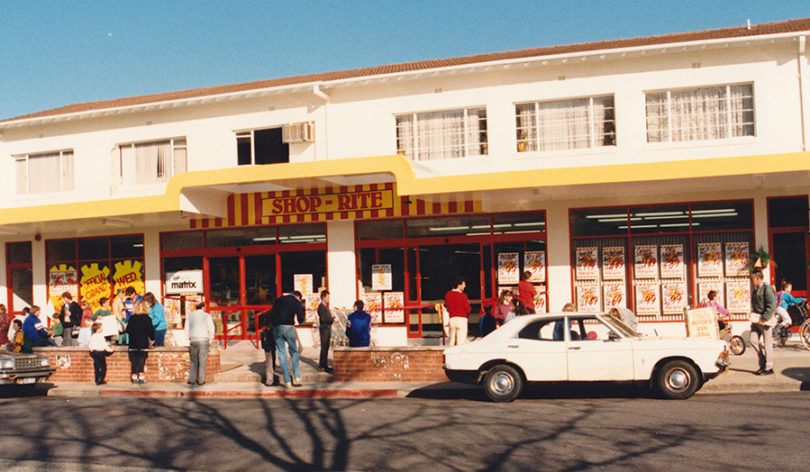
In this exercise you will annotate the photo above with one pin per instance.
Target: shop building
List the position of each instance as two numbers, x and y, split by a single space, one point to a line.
640 172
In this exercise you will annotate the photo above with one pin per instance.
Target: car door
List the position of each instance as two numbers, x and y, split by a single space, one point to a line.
535 350
594 354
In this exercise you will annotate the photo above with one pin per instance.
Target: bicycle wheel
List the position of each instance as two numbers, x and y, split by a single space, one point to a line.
737 345
804 334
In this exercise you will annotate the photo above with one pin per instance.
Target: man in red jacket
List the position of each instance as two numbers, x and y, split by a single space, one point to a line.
458 308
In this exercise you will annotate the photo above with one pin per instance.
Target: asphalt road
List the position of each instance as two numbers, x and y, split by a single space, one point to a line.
711 432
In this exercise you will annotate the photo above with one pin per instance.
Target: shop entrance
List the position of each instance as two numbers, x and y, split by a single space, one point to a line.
789 242
244 270
425 255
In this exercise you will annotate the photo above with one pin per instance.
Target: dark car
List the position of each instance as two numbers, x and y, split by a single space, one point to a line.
24 369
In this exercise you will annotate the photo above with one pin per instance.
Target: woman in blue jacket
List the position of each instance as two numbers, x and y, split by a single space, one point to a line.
158 316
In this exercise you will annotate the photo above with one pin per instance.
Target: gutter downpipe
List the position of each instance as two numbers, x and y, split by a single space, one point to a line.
802 102
316 90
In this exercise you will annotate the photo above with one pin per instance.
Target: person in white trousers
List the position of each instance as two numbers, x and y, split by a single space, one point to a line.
458 309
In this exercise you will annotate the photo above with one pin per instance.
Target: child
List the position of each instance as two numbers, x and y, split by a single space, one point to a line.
57 329
99 350
16 337
785 300
358 326
87 315
110 334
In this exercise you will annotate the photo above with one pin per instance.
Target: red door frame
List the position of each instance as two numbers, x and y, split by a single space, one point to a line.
485 242
9 269
786 230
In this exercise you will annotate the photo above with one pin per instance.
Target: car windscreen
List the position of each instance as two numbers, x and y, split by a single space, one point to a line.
619 326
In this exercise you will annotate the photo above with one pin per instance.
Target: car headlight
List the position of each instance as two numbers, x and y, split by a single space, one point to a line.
44 362
7 364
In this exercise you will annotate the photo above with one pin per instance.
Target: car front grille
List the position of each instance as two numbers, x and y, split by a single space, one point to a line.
27 362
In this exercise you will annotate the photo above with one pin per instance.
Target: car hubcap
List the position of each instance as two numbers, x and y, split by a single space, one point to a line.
502 383
678 380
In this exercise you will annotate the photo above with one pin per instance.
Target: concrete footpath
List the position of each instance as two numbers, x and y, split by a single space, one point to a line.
792 374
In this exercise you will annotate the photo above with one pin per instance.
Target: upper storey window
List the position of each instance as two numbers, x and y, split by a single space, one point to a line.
47 172
151 162
262 146
442 134
697 114
566 124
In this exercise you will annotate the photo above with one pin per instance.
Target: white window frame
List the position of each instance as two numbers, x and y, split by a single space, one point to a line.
64 184
536 139
176 143
728 114
465 134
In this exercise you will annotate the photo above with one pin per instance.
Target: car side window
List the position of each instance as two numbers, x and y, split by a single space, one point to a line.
588 329
541 330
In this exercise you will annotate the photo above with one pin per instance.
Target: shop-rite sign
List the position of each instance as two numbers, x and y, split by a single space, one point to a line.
328 203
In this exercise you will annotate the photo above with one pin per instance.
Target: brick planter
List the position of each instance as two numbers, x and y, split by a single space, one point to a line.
389 364
165 364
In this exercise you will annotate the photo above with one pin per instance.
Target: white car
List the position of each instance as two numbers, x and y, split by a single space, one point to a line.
596 348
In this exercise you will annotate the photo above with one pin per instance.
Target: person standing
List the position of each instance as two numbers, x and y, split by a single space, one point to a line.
5 324
325 320
763 307
71 317
283 315
269 348
141 335
526 292
458 309
99 350
358 326
158 316
201 330
131 298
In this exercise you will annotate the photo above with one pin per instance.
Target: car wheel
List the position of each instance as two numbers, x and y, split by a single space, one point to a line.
737 345
503 383
677 380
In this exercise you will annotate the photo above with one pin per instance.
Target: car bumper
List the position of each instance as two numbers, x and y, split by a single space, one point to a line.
25 377
463 376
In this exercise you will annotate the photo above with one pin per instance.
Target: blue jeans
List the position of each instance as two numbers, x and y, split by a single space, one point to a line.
285 335
160 337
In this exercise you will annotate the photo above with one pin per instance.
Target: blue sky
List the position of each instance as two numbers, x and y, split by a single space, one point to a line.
57 52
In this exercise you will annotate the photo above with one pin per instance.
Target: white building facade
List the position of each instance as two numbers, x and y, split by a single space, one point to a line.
639 173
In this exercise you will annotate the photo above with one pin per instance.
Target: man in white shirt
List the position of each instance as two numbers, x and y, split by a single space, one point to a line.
200 329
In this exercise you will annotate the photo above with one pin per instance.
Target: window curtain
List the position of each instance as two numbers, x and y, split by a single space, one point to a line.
441 135
68 178
44 173
564 125
476 132
405 137
699 114
657 118
604 124
21 167
180 150
742 110
526 126
152 162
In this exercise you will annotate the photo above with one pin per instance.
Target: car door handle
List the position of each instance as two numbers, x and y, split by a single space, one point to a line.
574 348
513 346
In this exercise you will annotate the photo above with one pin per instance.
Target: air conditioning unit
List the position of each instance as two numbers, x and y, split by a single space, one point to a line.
298 133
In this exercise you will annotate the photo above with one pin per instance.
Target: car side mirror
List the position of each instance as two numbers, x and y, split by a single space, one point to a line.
613 336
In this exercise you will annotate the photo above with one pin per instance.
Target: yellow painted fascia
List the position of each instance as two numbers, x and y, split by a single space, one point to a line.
408 184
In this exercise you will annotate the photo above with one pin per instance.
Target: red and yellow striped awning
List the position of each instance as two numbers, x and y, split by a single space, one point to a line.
353 202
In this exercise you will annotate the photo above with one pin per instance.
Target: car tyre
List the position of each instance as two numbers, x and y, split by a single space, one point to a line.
503 383
677 380
737 345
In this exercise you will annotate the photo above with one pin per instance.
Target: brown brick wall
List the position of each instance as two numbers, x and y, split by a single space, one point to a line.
405 364
162 365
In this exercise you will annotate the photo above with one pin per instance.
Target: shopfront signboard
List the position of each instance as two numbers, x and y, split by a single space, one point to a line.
326 202
394 307
646 261
586 263
673 297
738 295
95 282
647 299
589 300
303 283
184 282
615 295
701 323
613 266
508 268
381 278
710 260
672 264
737 259
535 262
62 278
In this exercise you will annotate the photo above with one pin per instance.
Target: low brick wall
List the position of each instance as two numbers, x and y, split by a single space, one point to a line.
389 364
165 364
